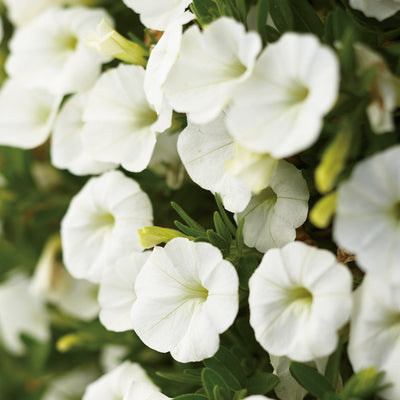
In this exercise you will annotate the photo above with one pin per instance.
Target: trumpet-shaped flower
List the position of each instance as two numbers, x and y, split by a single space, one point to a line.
187 294
368 214
66 149
299 298
374 331
101 224
379 9
160 14
26 115
205 150
21 312
49 52
115 384
121 126
210 67
272 216
117 291
144 391
279 110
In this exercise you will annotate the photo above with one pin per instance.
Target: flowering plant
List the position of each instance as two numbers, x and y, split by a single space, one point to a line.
199 199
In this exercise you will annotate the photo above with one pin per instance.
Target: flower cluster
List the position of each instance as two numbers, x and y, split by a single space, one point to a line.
273 122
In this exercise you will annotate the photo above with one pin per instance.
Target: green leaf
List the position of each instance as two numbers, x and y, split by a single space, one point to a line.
310 379
212 379
180 377
224 215
306 18
227 358
191 397
221 228
242 9
271 34
262 14
217 240
206 11
261 383
282 15
333 366
190 221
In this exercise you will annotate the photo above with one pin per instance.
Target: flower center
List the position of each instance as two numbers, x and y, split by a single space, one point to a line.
144 118
198 293
299 298
396 211
104 220
68 42
297 93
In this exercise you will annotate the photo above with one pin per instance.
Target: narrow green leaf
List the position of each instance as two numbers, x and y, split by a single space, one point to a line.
190 231
306 18
271 34
282 15
224 372
240 395
310 379
211 379
242 9
191 397
221 228
189 220
229 360
180 377
221 393
224 215
333 365
262 14
261 383
206 11
239 236
216 239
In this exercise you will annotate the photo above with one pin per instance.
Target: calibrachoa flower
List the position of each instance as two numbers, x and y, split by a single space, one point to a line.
49 53
280 108
26 115
21 312
187 294
272 216
144 391
66 149
121 126
115 384
368 214
101 224
210 67
374 331
160 14
204 150
299 298
117 291
379 9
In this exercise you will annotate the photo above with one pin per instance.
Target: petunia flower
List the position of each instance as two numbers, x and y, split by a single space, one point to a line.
144 391
379 9
280 109
67 151
21 312
117 291
121 126
115 384
272 216
299 298
101 224
374 331
210 67
49 53
160 14
187 294
368 214
26 115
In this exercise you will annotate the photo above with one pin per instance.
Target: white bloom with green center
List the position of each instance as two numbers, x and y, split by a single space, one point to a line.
272 216
144 391
379 9
375 331
121 126
66 149
187 294
117 291
115 384
367 219
299 298
210 67
160 14
26 115
204 150
101 224
21 312
49 52
280 109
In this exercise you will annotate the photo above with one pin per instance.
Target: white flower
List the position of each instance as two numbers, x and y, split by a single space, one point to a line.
144 391
115 384
52 282
160 14
21 312
121 126
257 397
299 298
49 53
385 89
374 331
117 291
210 67
66 149
26 115
101 224
187 294
368 214
379 9
272 216
204 150
280 109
